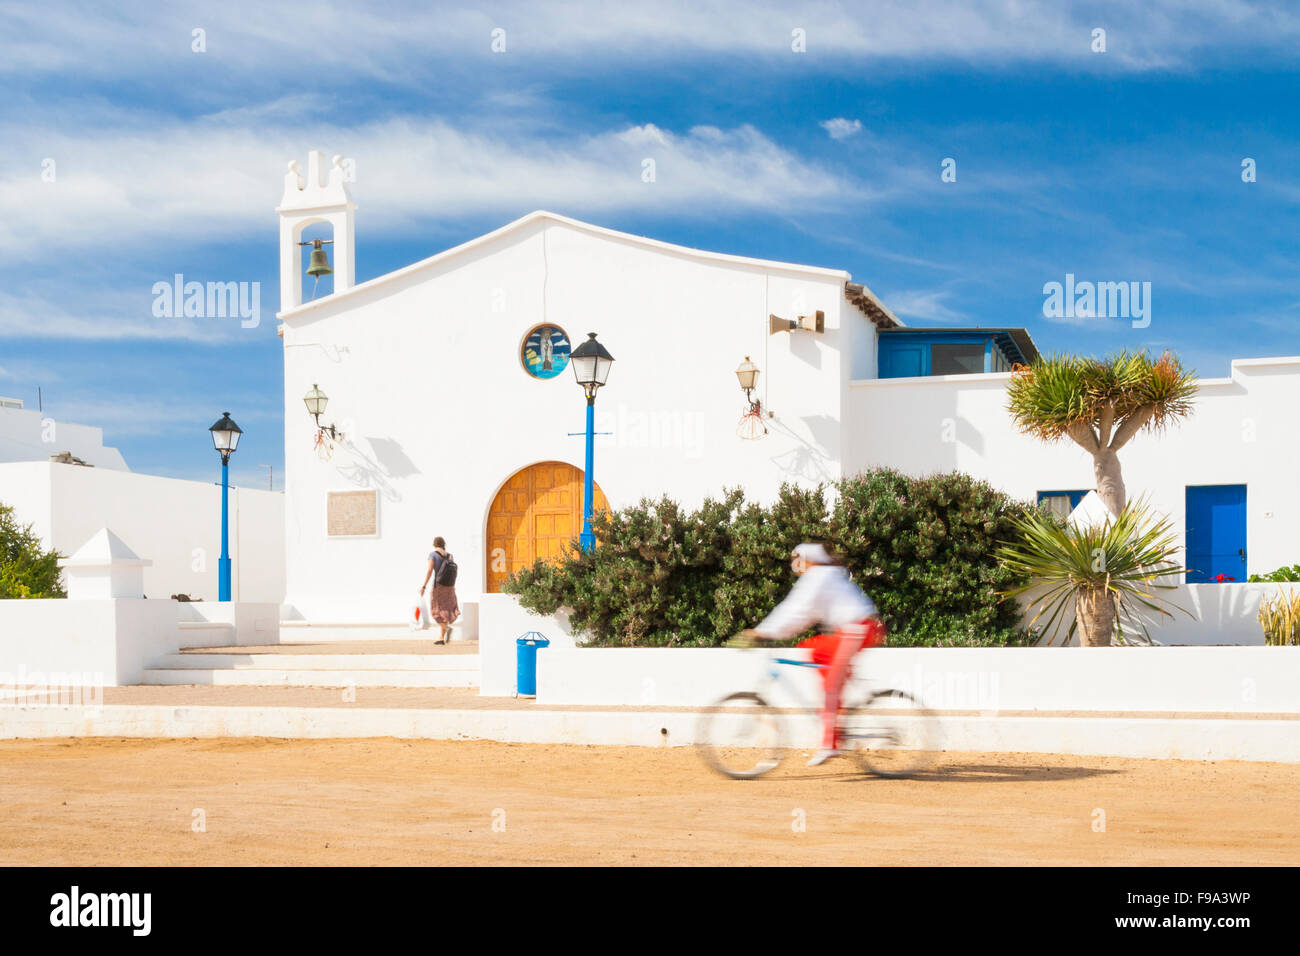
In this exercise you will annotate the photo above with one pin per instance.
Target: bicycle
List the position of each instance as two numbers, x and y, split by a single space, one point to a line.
887 732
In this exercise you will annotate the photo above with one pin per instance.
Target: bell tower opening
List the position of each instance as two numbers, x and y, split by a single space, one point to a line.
317 201
316 260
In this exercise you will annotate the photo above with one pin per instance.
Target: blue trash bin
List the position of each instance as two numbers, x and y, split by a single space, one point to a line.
526 662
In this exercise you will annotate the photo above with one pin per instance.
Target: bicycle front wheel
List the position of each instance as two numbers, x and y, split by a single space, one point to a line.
891 734
740 737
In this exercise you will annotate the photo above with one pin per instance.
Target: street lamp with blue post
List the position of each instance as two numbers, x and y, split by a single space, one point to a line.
225 437
591 362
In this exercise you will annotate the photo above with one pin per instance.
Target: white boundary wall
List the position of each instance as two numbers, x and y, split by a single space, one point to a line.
1150 737
110 642
501 622
107 642
1188 680
244 622
1222 614
174 523
1225 614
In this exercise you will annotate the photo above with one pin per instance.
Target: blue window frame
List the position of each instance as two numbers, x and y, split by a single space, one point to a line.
1062 503
1074 496
907 354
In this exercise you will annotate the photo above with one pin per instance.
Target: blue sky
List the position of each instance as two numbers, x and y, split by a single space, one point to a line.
1123 165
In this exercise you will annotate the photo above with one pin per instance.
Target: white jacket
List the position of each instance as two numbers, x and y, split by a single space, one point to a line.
825 595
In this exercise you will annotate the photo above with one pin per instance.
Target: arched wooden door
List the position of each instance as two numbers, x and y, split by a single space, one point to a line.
536 512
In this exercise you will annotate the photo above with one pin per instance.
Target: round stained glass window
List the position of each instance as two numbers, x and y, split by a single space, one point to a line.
545 352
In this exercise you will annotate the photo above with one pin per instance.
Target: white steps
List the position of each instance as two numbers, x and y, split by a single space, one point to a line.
316 670
313 631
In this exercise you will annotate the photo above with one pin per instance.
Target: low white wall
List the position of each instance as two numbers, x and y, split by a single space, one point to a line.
107 642
665 676
1231 738
110 642
1225 614
254 623
501 621
985 679
1221 614
176 524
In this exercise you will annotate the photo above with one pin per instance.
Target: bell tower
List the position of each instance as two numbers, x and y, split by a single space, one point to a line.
310 201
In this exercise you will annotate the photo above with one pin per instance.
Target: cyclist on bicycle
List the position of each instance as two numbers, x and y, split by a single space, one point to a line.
825 595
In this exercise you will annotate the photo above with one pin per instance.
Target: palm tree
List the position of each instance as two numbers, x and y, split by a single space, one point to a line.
1101 405
1105 574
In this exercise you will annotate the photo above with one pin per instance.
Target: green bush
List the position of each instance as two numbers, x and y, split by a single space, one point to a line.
661 575
26 569
1281 574
924 549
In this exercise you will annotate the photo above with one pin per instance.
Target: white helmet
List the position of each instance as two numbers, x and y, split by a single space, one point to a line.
813 553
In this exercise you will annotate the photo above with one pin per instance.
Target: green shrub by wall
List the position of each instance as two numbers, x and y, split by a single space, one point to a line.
27 570
662 575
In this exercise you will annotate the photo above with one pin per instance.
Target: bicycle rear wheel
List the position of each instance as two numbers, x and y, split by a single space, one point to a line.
891 734
740 737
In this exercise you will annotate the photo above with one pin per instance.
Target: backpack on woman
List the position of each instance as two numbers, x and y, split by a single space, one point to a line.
445 576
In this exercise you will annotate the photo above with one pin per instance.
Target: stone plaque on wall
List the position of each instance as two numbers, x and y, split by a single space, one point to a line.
352 513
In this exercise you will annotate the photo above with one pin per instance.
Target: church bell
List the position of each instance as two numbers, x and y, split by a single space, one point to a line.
320 263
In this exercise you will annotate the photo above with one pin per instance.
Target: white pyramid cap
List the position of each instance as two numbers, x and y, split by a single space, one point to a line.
104 549
104 568
1090 511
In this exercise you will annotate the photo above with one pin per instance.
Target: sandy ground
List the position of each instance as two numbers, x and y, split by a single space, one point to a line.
115 802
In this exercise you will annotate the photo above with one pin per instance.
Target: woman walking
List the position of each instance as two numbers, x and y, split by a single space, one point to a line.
442 602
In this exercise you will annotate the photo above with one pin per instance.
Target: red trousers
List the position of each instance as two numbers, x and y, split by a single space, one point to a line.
835 653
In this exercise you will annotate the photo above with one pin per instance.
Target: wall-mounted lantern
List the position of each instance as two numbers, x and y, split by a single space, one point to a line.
751 423
316 400
748 375
805 323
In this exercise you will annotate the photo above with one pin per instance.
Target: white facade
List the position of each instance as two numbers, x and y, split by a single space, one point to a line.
173 523
424 373
1242 430
30 435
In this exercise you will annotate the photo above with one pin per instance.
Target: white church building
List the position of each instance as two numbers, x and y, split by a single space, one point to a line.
454 413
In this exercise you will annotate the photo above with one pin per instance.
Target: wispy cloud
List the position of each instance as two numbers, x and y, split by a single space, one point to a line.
20 371
928 305
391 43
841 128
215 178
50 311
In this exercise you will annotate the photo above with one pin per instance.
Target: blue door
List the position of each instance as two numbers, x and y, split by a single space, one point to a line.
1216 533
902 360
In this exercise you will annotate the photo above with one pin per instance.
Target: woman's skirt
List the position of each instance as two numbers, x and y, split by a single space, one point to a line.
443 607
